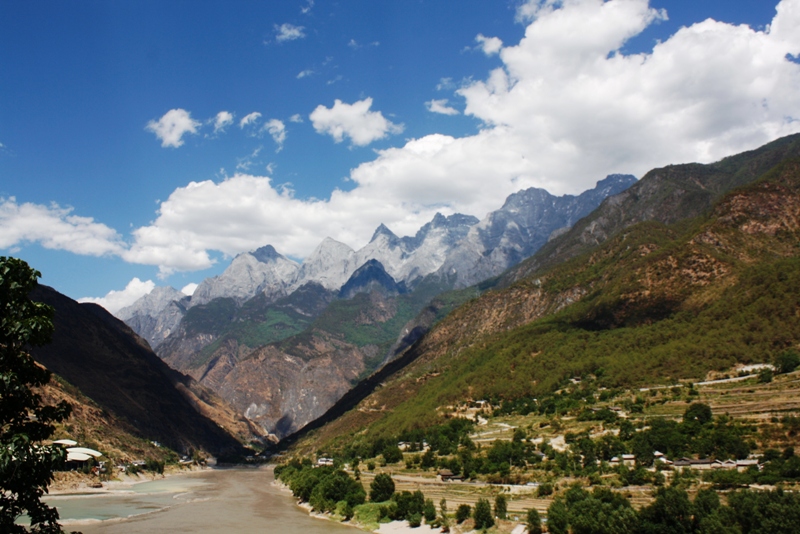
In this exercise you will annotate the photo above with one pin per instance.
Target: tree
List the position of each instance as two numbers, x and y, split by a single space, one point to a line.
382 488
698 412
787 361
534 522
483 515
429 511
557 517
26 466
463 512
444 521
500 506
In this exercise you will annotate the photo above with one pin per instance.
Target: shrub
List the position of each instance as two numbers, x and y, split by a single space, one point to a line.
544 490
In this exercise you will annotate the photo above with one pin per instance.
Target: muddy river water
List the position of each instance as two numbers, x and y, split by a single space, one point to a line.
220 500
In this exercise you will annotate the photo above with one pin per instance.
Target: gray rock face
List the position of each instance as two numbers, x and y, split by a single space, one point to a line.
262 271
526 221
156 315
330 265
407 259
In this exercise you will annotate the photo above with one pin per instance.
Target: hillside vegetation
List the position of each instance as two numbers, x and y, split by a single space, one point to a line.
654 303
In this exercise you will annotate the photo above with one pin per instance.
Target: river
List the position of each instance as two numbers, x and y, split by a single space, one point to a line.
241 500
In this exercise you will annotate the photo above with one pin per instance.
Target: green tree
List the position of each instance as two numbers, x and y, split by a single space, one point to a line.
787 361
534 522
500 506
444 521
463 512
26 466
557 517
382 488
429 511
698 412
483 515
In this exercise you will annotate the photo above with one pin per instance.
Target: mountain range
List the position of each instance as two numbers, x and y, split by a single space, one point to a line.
690 269
283 341
695 268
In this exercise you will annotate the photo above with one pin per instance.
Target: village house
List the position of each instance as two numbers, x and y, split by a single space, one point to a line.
445 475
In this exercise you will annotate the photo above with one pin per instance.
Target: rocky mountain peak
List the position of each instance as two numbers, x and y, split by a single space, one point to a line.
383 230
153 303
369 277
330 265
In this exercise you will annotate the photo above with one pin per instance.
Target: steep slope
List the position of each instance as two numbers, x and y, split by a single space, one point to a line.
527 220
665 195
258 322
156 315
653 303
111 365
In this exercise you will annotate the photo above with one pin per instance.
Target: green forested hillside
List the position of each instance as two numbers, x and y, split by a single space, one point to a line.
656 303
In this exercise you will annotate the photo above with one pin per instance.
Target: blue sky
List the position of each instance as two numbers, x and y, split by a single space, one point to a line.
155 140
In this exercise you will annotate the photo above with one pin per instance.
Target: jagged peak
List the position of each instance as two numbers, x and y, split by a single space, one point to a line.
383 230
330 244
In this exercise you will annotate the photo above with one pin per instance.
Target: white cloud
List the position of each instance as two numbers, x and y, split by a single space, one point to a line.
222 121
277 129
250 118
304 73
586 109
116 300
489 45
296 118
288 32
355 121
306 9
54 227
566 108
189 289
440 106
244 164
171 128
445 84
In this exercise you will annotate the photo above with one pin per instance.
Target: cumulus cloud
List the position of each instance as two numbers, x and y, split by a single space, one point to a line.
489 45
304 73
440 106
277 129
222 121
565 108
54 227
306 9
116 300
288 32
355 121
171 128
250 118
296 118
586 109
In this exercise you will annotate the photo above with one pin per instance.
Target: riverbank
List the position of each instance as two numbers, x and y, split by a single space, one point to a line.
78 483
236 499
369 522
